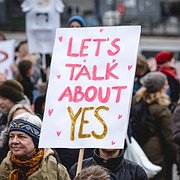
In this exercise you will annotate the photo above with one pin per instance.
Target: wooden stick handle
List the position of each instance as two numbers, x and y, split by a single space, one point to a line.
80 160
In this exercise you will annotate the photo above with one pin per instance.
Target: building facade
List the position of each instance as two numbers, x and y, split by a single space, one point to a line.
156 17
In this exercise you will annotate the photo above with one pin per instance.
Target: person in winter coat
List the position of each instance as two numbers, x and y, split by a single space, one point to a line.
166 64
25 160
76 22
22 53
11 93
142 68
114 162
159 147
24 75
176 131
15 110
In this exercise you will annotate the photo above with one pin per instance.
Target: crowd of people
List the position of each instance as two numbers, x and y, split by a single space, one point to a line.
22 103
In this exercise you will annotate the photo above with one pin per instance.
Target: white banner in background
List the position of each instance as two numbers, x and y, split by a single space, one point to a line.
7 57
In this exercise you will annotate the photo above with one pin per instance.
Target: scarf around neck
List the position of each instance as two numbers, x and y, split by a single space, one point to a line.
169 71
23 169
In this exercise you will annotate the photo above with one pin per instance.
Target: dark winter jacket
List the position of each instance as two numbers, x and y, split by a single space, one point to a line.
28 88
176 124
160 148
173 82
70 156
176 130
119 168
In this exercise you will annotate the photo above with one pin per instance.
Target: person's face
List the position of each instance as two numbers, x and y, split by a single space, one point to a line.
23 50
21 145
166 86
31 71
3 77
5 104
2 38
140 69
172 63
109 153
75 24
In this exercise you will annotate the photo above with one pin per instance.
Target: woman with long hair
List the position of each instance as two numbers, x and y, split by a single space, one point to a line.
159 147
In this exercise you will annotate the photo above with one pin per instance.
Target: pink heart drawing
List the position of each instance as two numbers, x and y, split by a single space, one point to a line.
113 142
129 67
84 60
50 111
60 39
58 76
58 133
113 60
101 30
119 116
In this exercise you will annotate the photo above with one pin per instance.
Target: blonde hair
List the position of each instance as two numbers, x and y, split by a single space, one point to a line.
159 97
15 108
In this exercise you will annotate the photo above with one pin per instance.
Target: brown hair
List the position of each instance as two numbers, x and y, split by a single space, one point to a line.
23 68
94 172
2 37
142 66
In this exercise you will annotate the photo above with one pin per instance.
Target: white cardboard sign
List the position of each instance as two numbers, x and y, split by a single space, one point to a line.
90 87
7 57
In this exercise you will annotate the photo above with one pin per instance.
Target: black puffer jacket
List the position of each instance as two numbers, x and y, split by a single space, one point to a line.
119 168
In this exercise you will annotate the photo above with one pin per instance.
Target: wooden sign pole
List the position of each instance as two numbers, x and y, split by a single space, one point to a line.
80 160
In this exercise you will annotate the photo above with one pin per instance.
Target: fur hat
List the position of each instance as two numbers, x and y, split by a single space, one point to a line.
163 57
154 81
12 90
28 123
77 18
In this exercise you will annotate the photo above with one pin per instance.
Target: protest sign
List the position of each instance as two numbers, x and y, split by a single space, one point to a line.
7 57
90 87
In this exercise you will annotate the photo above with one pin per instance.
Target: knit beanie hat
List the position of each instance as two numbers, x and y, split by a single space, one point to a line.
77 18
163 57
28 123
12 90
154 81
